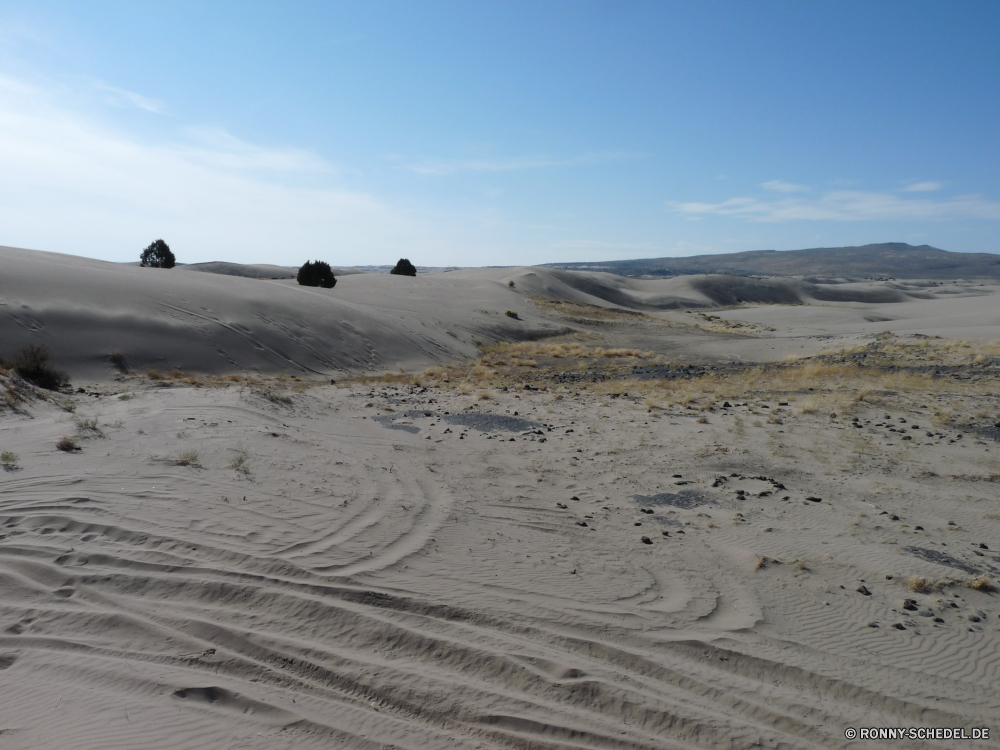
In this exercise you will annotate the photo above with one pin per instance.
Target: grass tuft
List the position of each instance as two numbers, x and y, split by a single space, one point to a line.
87 428
187 458
922 585
982 583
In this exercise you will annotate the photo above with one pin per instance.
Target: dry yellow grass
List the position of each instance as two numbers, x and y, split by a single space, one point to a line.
922 585
579 311
841 382
981 583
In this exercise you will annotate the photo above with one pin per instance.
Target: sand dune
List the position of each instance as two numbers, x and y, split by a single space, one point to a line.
367 586
254 270
713 290
571 543
85 310
248 270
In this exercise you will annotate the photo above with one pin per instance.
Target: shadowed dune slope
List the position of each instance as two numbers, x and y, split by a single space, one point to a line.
84 310
248 270
254 270
708 290
225 321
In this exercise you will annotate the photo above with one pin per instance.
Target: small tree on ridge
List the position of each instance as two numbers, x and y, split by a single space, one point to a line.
158 255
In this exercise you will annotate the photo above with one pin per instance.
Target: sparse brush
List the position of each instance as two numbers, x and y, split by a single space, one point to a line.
67 444
86 428
981 583
154 375
187 458
240 464
702 420
922 585
32 364
511 314
272 396
581 311
484 396
9 460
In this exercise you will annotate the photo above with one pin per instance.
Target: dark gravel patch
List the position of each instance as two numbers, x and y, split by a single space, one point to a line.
386 421
987 431
685 499
941 559
492 422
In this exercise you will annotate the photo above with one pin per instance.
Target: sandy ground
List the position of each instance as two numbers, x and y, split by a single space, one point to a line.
294 564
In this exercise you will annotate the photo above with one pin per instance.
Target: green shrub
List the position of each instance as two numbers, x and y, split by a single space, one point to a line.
157 255
404 268
9 459
316 273
511 314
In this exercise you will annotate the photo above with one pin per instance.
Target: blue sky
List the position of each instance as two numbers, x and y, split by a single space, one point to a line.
496 133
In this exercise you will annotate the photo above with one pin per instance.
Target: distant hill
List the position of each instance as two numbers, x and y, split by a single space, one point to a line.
888 259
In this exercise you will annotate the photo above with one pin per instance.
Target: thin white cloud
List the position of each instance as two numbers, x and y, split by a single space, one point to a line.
218 147
846 205
513 164
70 184
121 97
923 187
783 187
599 245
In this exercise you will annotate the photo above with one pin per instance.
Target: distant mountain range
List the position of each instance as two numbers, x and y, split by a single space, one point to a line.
885 260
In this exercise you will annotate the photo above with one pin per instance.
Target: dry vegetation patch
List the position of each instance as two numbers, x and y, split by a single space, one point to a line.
578 312
889 369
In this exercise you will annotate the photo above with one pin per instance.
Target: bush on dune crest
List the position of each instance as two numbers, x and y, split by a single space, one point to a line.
158 255
404 268
316 273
